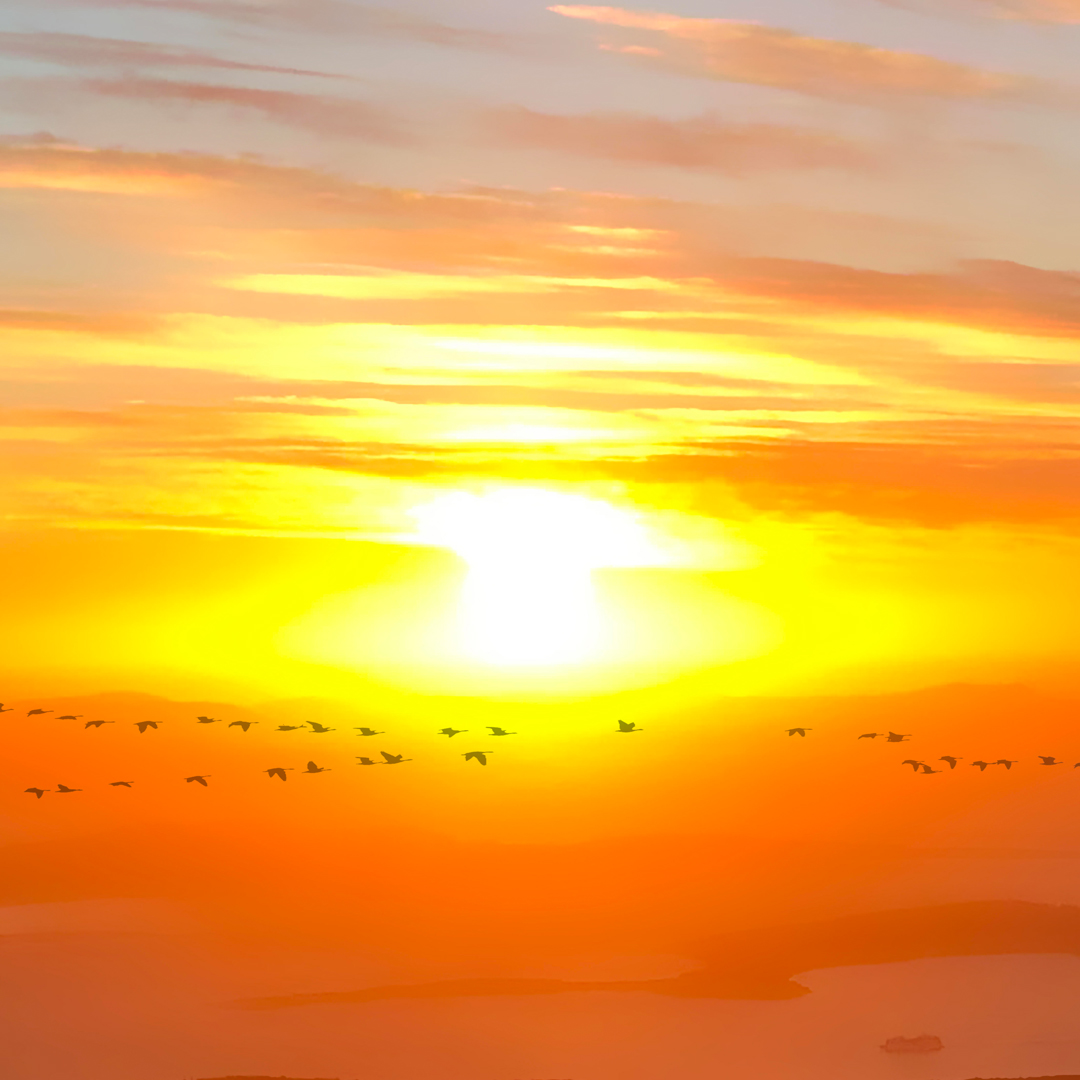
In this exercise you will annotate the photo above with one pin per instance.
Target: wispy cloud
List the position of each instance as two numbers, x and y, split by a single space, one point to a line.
705 142
81 51
328 17
1034 11
749 52
326 115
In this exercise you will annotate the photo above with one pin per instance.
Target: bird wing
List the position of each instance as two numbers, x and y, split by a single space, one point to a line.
390 758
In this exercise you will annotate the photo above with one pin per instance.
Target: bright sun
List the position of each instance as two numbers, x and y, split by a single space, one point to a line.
528 599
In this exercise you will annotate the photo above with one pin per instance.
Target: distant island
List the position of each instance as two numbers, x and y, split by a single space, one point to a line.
759 965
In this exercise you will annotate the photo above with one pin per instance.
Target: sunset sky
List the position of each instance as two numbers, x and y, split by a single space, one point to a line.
793 286
450 356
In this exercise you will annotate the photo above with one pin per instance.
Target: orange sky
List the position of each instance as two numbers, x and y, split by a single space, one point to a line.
712 367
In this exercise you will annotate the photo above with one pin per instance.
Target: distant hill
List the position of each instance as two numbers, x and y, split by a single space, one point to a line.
759 964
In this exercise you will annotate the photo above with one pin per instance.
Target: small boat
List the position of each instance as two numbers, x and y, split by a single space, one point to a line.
921 1044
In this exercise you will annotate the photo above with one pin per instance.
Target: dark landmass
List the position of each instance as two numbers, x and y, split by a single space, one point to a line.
759 964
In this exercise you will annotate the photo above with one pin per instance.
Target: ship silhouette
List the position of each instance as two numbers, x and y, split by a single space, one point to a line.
921 1044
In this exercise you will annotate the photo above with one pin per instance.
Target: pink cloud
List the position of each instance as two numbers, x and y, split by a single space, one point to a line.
79 50
328 16
749 52
311 112
705 142
1034 11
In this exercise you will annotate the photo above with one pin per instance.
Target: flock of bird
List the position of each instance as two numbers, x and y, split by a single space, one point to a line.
278 772
625 727
923 768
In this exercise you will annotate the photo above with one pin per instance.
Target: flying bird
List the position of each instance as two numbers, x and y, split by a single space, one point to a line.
34 790
70 717
1051 760
271 773
312 768
499 730
197 780
38 712
1006 762
245 724
368 761
96 723
872 735
951 760
121 783
916 765
318 729
479 755
798 731
451 732
142 725
208 720
927 771
981 764
625 727
290 727
63 789
894 737
397 759
2 709
365 732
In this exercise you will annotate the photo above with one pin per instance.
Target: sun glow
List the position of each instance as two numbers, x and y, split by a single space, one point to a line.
528 599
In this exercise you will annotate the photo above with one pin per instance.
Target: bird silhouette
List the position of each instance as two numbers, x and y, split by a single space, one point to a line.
271 773
290 727
916 765
981 765
397 759
1006 762
625 727
368 761
895 737
63 789
798 731
245 724
872 735
312 768
479 755
951 760
96 723
366 732
451 732
35 790
70 717
197 780
121 783
2 709
1051 760
318 729
499 730
38 712
142 725
927 771
208 720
